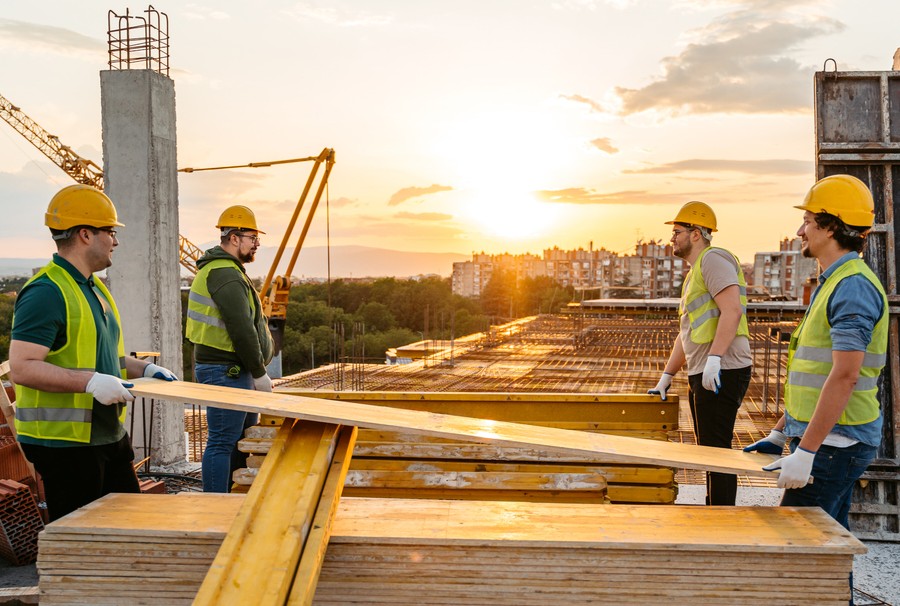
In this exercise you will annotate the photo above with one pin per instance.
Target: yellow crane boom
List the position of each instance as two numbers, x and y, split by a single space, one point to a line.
79 168
275 289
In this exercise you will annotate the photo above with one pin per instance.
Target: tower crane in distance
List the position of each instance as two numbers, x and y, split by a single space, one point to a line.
81 169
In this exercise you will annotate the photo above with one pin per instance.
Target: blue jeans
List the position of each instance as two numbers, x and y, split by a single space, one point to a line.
834 472
224 428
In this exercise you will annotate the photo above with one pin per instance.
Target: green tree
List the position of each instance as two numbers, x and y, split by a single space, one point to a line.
376 316
7 303
498 296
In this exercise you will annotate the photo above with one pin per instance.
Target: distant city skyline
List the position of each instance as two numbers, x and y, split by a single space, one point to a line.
495 126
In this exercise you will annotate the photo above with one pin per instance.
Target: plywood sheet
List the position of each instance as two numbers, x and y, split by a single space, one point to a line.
615 449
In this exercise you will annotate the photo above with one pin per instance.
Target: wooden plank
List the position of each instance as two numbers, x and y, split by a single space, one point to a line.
442 552
258 559
615 449
303 588
549 525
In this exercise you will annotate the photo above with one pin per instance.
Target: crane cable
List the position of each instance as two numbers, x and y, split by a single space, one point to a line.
328 240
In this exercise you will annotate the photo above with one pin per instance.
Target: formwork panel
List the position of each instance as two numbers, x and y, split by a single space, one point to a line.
858 133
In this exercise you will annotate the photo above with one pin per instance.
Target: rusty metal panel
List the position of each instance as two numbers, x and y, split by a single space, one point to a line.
849 105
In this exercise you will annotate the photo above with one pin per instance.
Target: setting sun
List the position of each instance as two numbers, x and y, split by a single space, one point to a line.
509 213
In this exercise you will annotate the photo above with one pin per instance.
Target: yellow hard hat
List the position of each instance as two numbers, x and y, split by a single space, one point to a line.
238 217
696 213
843 196
81 205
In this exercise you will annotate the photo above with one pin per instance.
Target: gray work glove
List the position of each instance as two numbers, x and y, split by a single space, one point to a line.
712 374
795 468
665 382
263 383
108 389
158 372
771 444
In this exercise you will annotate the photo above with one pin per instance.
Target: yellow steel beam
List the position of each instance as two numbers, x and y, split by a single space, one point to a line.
569 410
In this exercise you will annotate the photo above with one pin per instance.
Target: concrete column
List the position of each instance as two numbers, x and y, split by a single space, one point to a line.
140 176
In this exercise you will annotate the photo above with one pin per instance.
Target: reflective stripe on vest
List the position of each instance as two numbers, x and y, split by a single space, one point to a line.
67 416
810 356
700 306
204 321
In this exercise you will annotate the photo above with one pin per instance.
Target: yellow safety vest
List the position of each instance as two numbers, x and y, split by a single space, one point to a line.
67 416
204 321
810 361
701 307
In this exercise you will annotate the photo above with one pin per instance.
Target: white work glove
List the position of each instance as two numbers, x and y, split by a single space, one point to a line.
712 378
665 382
795 468
158 372
263 383
771 444
108 389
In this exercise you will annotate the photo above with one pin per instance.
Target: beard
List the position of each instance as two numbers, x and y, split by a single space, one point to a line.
683 252
246 257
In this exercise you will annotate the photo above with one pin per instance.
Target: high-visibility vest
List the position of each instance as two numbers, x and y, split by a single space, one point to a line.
204 321
810 351
67 416
700 305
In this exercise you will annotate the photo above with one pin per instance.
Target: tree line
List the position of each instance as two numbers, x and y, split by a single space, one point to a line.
358 320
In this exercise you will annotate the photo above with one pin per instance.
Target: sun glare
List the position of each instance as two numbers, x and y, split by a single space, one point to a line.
510 214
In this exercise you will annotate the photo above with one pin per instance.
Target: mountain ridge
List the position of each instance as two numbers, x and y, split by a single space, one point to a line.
350 261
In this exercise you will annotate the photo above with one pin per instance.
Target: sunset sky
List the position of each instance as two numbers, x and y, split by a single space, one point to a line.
494 125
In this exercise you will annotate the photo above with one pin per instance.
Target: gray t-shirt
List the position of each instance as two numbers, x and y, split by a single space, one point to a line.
719 272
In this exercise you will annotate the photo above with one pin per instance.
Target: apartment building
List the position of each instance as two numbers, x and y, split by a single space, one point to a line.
783 273
652 272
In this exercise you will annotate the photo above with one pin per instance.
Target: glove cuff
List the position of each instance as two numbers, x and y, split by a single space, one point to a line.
777 437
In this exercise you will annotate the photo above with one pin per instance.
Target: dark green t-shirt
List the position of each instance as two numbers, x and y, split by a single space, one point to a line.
40 318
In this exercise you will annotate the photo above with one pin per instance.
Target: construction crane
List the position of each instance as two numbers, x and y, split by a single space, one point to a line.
81 169
276 289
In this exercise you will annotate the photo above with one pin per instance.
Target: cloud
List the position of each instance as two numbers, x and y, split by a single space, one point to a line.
342 202
424 216
414 192
581 195
202 12
591 5
331 15
593 105
754 167
374 226
739 63
605 144
31 36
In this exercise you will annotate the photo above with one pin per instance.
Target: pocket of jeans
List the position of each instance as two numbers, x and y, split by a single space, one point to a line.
857 466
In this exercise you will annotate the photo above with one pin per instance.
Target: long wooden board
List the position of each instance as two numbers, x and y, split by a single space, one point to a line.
614 449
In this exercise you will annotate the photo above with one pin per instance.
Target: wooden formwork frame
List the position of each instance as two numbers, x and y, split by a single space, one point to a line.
858 133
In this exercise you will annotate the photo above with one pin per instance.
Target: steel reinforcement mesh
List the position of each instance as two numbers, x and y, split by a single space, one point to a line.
556 353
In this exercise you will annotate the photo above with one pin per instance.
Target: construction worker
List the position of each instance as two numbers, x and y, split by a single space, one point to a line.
67 359
232 342
713 339
832 417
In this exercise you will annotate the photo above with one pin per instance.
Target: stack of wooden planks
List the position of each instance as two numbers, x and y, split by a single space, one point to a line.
409 465
154 549
134 549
